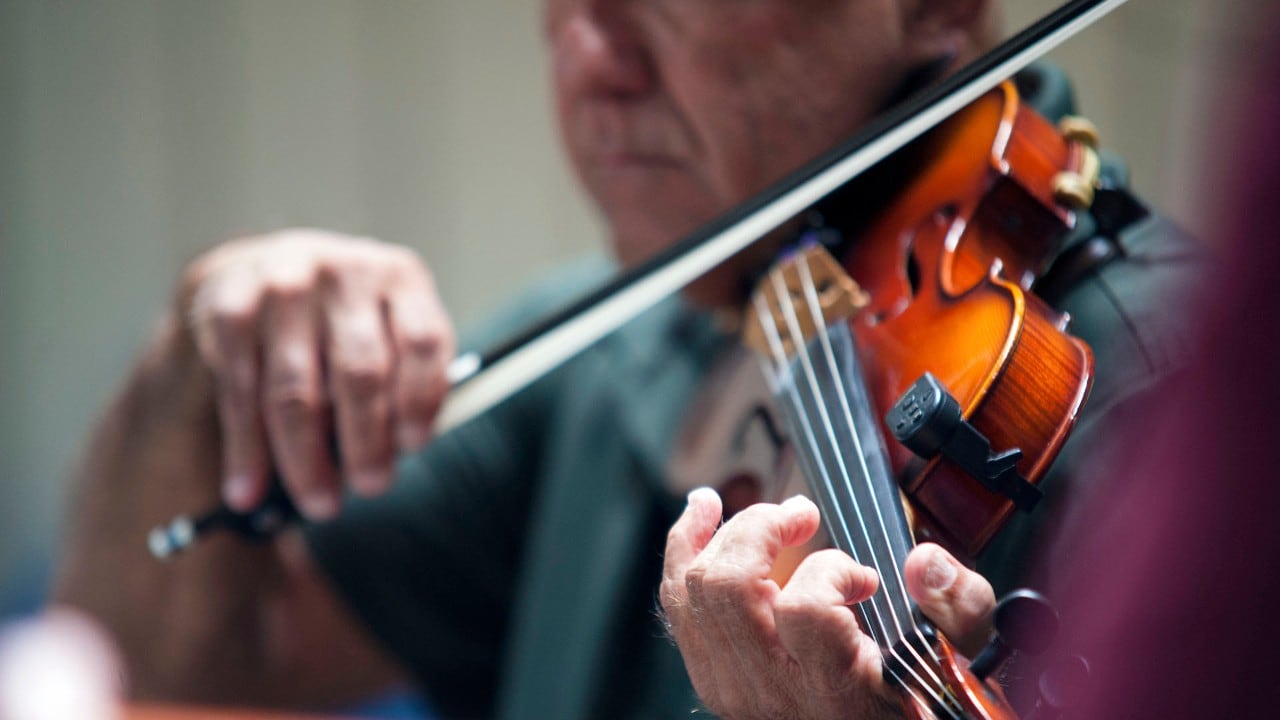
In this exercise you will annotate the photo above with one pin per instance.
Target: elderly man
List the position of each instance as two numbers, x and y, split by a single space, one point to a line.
511 567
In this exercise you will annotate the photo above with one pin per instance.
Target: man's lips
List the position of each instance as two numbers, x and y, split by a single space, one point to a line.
613 135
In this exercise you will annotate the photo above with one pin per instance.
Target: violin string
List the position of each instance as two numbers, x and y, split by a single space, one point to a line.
896 563
777 383
868 493
780 376
797 340
813 438
815 310
933 686
897 601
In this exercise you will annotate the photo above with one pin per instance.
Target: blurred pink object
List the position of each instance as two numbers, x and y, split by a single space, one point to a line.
59 666
1172 590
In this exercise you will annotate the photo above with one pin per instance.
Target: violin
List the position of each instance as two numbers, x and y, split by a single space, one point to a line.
927 329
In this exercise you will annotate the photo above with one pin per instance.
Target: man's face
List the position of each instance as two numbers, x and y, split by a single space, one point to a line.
675 110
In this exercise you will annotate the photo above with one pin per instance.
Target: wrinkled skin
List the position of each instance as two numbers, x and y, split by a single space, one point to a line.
311 334
757 650
673 111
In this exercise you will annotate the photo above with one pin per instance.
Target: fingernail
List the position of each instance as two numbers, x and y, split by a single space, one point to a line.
795 502
237 491
940 573
703 494
370 482
319 506
413 437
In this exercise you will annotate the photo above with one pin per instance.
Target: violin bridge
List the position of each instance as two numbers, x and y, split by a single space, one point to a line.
792 283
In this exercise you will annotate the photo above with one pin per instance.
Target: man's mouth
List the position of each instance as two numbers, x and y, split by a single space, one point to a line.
612 137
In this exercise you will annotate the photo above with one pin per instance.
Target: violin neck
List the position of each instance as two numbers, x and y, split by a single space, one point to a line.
829 415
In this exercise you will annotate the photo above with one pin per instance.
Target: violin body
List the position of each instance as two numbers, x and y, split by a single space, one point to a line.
947 269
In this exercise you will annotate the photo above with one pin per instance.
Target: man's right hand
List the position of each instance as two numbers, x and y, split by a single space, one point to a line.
313 338
289 342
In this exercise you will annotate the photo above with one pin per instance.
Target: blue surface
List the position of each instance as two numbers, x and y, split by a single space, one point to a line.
397 706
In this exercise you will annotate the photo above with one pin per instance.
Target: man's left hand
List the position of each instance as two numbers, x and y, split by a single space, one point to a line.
757 650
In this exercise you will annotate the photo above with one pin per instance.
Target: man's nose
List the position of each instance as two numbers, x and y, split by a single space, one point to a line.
599 49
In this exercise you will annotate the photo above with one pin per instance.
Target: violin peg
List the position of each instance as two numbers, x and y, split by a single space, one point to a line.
1082 130
1076 188
1073 190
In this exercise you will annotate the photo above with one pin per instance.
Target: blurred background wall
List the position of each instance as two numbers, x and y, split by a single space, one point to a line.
136 133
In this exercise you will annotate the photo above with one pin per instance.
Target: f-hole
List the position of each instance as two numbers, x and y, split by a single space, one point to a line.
943 216
913 273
